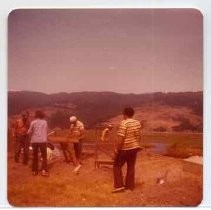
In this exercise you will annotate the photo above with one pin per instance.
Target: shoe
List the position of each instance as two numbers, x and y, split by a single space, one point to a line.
76 169
129 188
119 189
44 173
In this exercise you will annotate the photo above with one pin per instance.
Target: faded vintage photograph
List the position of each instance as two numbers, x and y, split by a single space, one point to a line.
105 107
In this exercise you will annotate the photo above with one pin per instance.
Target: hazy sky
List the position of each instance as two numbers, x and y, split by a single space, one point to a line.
120 50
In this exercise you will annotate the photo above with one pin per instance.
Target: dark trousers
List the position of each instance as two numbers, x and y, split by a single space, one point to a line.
129 157
22 142
78 149
66 151
43 149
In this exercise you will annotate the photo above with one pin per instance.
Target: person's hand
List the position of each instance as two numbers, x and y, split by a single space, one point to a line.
116 151
115 154
13 135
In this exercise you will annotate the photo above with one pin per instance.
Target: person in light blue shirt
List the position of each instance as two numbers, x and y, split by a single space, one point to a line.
38 131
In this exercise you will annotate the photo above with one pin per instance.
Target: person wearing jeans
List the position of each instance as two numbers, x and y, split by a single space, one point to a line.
127 146
43 150
38 130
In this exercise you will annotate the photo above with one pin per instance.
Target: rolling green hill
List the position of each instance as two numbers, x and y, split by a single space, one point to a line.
97 107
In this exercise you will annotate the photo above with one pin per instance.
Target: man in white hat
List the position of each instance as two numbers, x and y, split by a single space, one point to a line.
77 129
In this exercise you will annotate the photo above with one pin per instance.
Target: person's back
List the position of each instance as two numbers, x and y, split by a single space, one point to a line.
130 129
38 130
127 146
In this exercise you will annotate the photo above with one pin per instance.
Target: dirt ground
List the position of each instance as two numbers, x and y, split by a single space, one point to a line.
92 187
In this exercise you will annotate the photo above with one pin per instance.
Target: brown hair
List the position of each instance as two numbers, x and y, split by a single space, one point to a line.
39 114
128 111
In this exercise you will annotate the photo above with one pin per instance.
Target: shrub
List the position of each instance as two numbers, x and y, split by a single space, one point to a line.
185 125
160 129
60 119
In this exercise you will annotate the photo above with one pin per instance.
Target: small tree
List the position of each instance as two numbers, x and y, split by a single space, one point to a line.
60 119
185 125
160 129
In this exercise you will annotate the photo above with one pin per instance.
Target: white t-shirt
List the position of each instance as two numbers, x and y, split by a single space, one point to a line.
38 130
77 129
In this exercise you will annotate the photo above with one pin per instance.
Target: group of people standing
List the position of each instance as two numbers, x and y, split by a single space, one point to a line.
126 147
35 133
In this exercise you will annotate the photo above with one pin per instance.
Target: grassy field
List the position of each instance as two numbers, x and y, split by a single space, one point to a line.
180 145
187 139
92 187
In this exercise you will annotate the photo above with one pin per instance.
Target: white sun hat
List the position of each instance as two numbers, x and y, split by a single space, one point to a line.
73 118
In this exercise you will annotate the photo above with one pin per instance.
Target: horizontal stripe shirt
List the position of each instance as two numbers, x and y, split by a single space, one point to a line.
130 130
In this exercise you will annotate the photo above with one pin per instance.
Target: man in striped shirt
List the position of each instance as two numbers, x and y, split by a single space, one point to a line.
127 146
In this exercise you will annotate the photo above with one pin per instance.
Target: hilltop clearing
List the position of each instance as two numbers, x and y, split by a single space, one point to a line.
163 118
181 184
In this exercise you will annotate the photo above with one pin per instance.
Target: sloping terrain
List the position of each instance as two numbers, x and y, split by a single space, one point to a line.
92 187
96 107
163 118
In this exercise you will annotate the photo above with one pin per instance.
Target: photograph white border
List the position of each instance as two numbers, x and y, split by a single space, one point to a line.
7 6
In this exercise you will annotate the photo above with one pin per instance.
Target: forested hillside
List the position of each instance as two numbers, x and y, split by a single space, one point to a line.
96 107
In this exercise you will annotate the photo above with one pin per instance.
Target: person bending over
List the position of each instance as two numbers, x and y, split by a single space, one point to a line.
77 130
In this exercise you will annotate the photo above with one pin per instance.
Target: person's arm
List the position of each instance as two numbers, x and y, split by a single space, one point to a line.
120 143
81 130
104 134
138 133
71 129
28 124
47 128
30 128
14 129
120 137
